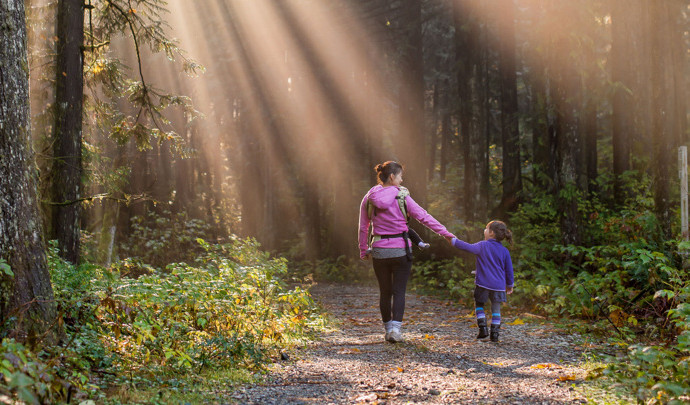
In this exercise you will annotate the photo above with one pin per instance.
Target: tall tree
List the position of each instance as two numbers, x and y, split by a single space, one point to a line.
566 89
622 77
411 101
510 133
25 290
660 130
67 160
472 121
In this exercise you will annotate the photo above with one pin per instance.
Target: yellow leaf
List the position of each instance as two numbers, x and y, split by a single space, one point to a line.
517 321
400 369
427 336
568 377
545 365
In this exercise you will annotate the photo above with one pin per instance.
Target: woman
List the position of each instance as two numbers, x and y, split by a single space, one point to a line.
390 247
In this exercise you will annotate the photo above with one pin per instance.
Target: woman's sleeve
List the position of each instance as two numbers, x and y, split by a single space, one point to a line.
363 228
425 219
474 248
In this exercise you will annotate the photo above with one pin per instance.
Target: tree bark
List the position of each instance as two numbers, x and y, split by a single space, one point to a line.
67 160
661 137
411 101
510 134
621 76
27 295
472 119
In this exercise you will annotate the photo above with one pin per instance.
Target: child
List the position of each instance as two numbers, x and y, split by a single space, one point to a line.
494 277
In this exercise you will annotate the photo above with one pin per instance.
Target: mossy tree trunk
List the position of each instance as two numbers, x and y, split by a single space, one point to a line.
27 306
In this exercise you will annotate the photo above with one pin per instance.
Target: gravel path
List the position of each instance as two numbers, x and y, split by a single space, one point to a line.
440 361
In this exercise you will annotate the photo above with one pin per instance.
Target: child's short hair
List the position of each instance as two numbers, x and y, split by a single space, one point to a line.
501 231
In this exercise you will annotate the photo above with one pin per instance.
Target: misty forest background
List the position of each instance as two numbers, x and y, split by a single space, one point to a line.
183 157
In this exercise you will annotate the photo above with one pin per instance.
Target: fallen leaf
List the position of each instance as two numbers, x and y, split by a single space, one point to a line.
517 321
545 365
568 377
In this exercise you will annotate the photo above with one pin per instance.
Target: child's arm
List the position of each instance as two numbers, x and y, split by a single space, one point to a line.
510 282
474 248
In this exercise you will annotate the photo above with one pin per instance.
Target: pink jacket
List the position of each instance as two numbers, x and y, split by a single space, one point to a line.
389 220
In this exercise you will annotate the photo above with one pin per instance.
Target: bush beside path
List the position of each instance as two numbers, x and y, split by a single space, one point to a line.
440 361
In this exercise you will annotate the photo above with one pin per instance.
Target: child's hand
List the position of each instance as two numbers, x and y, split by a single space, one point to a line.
509 290
450 240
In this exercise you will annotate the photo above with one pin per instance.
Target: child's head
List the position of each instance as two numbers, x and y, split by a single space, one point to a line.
499 231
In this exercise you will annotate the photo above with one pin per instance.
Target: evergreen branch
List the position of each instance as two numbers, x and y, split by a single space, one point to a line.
104 196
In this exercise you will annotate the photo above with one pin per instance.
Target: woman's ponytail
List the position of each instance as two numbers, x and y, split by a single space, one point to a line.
385 169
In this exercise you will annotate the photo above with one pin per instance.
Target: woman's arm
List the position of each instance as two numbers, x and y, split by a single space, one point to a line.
363 228
425 218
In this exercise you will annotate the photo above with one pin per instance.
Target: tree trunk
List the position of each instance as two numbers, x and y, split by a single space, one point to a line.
67 165
510 134
621 75
568 145
474 149
411 102
27 295
660 135
433 134
589 132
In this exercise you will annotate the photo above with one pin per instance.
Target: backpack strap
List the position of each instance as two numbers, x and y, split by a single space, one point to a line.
402 202
403 192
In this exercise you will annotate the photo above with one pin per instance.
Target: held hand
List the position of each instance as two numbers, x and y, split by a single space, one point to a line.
509 290
450 240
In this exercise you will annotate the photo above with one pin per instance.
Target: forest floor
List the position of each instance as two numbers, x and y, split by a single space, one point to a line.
439 362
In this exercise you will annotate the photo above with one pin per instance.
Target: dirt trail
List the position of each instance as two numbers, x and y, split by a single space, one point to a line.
440 361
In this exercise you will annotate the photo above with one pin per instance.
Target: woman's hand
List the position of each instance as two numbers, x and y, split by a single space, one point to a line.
450 240
509 290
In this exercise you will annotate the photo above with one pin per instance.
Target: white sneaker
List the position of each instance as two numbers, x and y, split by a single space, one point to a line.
394 336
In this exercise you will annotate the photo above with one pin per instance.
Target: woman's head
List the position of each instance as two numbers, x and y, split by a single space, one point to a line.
385 170
500 231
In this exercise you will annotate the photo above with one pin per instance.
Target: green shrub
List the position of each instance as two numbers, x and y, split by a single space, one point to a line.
656 373
230 309
166 238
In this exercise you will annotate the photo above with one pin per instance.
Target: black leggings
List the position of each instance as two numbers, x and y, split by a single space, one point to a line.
392 275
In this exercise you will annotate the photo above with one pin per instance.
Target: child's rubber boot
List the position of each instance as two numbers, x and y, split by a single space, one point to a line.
494 332
483 330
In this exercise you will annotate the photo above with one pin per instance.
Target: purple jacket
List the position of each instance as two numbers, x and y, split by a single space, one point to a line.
389 220
494 267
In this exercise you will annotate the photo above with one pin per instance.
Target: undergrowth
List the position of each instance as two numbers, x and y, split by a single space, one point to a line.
154 330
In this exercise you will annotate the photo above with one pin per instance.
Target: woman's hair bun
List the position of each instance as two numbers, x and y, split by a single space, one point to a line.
378 168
